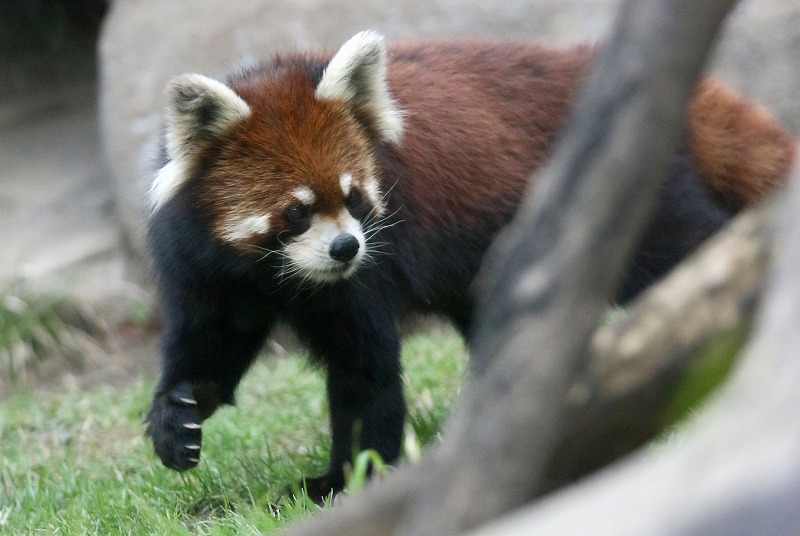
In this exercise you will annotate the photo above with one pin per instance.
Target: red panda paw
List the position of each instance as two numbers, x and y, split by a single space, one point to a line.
174 426
320 488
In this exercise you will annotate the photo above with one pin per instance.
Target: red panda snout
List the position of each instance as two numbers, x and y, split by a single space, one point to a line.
317 232
344 247
331 249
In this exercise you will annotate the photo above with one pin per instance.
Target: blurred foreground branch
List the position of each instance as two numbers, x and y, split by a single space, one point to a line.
746 442
691 323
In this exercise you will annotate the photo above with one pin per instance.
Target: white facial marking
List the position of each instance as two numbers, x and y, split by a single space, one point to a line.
240 228
305 195
373 192
357 75
309 253
346 182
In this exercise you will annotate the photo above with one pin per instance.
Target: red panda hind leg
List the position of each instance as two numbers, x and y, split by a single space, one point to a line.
685 216
735 154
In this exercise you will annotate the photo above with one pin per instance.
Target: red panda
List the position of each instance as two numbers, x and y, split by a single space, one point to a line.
338 192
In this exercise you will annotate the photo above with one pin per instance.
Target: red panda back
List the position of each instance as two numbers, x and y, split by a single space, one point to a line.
480 117
486 114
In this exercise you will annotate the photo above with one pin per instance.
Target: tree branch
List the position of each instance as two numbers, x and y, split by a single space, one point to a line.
693 320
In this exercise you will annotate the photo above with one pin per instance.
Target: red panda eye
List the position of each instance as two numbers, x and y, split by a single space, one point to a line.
353 199
297 212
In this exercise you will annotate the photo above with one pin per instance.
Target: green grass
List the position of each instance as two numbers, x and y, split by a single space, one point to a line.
78 463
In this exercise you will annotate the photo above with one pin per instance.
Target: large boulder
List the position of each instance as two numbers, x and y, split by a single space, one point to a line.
146 42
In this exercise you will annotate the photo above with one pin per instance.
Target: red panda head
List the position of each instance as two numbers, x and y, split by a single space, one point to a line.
272 155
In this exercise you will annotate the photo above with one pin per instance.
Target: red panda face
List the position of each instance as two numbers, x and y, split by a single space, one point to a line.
301 170
274 159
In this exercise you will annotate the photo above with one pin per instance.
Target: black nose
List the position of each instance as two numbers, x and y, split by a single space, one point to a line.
344 247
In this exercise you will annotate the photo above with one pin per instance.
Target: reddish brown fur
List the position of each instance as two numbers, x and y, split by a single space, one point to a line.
448 101
739 148
514 96
290 139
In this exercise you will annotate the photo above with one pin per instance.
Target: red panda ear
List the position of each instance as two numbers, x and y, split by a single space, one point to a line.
199 109
357 76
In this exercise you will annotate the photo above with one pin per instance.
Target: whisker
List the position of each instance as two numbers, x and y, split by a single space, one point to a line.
372 232
382 220
267 252
381 200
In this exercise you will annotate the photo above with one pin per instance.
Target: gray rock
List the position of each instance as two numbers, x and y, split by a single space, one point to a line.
759 54
60 234
146 42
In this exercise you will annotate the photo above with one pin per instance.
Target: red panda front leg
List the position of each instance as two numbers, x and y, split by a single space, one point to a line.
365 390
209 343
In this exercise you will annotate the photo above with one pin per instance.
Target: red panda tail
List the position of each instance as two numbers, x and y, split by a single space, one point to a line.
737 145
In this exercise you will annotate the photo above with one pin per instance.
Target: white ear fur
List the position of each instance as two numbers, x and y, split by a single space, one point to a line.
357 76
199 108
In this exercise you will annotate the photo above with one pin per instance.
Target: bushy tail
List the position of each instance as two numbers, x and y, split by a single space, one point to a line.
737 145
